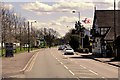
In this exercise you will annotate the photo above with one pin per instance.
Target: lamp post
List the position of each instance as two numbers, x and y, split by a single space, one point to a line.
3 31
20 38
15 28
29 41
78 14
115 50
28 37
80 31
31 32
24 35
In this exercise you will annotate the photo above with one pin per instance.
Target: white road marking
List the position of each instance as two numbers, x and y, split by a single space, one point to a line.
80 65
93 72
83 67
61 63
66 67
32 63
28 63
85 73
71 72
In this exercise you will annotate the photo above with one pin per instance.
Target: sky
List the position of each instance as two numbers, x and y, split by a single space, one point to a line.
57 14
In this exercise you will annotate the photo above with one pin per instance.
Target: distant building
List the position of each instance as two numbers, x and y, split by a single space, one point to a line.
103 30
89 46
87 32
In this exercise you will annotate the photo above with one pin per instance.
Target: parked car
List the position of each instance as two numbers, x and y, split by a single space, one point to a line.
61 48
68 51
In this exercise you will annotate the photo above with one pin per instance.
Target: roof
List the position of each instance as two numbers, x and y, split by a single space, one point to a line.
105 18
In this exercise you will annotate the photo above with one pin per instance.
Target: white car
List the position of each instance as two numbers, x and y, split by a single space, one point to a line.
68 51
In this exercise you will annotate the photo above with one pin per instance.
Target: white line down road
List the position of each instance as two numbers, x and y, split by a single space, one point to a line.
51 63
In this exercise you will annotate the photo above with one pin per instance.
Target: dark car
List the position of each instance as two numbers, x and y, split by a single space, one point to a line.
61 48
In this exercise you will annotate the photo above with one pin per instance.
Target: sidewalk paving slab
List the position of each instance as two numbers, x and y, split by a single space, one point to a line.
108 61
104 60
14 65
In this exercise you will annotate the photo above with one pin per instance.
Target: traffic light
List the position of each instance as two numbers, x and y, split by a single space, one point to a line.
82 34
79 25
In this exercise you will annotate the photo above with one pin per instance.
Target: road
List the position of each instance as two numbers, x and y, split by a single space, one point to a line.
45 65
51 63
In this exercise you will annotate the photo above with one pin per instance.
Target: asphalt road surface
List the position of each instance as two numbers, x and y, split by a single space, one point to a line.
45 65
51 63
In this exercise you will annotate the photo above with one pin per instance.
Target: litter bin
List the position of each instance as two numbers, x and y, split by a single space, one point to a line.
9 50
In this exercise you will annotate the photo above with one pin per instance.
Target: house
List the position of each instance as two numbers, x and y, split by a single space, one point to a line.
87 33
103 30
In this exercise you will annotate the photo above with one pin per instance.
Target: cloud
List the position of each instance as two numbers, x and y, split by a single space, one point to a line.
52 0
8 6
72 5
65 19
37 6
109 1
56 25
107 4
57 7
31 20
110 8
62 25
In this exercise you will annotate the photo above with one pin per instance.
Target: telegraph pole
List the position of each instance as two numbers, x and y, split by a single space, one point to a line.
32 34
28 37
81 33
2 30
20 39
115 50
114 20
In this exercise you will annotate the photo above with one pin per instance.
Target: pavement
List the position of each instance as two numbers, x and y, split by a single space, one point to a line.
110 61
16 64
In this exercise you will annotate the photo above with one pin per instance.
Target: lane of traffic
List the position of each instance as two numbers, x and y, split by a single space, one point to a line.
46 66
75 68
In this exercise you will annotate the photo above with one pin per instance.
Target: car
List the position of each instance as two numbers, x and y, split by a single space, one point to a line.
61 48
68 51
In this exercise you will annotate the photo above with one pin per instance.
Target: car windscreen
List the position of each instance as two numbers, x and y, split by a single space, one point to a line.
68 49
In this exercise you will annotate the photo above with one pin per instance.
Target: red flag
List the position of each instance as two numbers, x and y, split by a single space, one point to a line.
86 21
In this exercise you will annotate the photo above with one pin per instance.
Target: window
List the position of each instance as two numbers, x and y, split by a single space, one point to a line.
103 30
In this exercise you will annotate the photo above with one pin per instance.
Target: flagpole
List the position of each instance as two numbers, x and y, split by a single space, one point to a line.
114 20
115 27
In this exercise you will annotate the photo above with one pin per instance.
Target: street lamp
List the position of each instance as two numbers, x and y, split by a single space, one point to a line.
115 50
15 30
28 37
31 32
80 31
78 14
